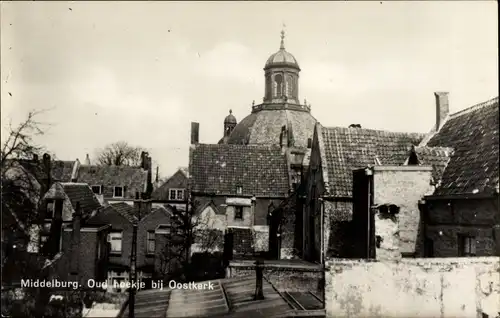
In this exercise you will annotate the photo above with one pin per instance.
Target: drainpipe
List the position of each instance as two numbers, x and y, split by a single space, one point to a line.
322 230
369 172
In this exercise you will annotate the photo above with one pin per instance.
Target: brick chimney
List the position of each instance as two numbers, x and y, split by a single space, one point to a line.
75 242
48 172
442 108
195 133
74 173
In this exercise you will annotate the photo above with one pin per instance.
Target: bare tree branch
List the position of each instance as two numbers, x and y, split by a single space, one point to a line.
119 154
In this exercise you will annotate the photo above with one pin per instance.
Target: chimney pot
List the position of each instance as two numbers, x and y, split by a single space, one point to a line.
35 157
442 108
195 133
87 160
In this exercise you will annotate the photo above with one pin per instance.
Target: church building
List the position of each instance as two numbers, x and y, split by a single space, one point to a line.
258 163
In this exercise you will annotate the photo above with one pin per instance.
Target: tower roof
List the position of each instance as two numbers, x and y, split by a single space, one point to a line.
230 119
282 57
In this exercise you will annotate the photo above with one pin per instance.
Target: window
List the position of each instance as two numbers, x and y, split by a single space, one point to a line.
176 194
97 189
239 190
238 212
151 242
118 192
278 79
180 194
115 238
50 210
466 245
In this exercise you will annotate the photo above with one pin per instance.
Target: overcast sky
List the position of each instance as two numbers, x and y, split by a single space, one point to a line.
142 71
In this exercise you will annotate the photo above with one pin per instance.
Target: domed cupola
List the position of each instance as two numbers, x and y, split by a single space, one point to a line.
282 77
229 123
282 58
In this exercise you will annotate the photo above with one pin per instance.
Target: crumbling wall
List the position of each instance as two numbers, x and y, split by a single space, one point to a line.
440 287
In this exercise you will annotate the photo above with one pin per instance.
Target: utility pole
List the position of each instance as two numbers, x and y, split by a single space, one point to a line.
133 274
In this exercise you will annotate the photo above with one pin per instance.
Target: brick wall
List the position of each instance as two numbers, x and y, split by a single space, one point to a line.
447 219
285 279
148 223
88 256
451 287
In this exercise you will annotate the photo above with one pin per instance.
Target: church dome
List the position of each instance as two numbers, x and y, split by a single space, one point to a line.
264 127
282 58
230 119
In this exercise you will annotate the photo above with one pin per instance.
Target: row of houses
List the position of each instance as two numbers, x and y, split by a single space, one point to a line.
105 203
325 201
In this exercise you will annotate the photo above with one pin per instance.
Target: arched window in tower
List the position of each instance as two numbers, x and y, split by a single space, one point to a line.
278 80
296 87
269 85
290 86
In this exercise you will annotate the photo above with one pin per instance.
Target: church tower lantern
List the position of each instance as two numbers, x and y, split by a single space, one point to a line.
282 77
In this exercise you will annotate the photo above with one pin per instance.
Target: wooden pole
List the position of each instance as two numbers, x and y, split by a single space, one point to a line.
133 274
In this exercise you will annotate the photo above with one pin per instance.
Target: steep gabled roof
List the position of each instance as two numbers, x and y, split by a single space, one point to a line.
437 157
343 150
220 169
473 134
76 193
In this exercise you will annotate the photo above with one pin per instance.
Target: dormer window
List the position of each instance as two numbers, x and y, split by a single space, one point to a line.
118 192
239 190
97 189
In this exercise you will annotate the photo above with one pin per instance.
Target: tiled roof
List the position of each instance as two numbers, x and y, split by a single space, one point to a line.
126 210
345 149
473 134
264 127
219 169
437 157
81 192
133 178
60 170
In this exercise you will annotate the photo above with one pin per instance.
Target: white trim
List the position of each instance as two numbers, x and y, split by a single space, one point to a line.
239 227
239 201
89 229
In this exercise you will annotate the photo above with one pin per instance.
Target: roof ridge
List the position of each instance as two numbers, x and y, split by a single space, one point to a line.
375 130
487 103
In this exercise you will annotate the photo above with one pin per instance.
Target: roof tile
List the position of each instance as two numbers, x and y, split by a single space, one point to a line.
473 134
347 149
220 169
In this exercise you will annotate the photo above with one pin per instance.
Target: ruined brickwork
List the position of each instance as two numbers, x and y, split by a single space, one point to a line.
450 287
403 186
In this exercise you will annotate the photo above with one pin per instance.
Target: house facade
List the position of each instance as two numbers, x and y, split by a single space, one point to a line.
121 218
174 191
463 215
237 184
336 153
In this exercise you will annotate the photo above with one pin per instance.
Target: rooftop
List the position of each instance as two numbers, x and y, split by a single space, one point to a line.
231 297
473 135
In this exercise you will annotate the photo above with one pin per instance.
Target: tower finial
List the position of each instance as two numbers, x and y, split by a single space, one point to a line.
282 46
230 111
